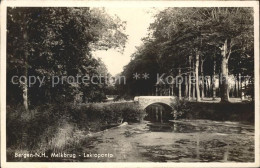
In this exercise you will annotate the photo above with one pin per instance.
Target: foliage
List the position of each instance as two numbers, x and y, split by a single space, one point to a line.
110 113
45 124
58 42
180 108
238 112
26 129
178 33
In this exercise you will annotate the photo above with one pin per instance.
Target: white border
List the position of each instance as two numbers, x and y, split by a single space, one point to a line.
127 4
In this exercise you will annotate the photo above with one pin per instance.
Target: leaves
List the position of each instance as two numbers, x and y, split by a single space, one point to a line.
177 33
59 42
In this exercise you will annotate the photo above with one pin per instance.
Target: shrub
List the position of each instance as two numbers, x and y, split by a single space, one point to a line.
181 108
43 126
24 129
131 113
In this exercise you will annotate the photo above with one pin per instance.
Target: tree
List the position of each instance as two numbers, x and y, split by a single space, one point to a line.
229 29
178 33
196 28
57 42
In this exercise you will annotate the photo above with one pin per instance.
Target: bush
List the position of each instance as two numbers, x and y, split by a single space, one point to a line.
25 129
105 113
38 128
113 112
132 113
181 108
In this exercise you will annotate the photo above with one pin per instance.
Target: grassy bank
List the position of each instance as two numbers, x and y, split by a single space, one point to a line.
242 112
62 128
58 128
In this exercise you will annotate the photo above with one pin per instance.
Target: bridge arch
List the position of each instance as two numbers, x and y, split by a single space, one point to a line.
145 101
157 103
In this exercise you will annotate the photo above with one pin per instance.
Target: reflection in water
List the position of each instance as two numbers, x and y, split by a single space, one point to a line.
197 146
171 127
158 113
181 127
225 157
200 148
196 140
176 141
173 141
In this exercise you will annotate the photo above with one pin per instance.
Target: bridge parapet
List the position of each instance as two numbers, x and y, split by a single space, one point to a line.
145 101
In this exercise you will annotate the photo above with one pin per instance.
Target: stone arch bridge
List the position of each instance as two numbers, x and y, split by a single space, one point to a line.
145 101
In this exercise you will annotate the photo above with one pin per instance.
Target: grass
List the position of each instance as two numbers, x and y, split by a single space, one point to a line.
59 128
239 111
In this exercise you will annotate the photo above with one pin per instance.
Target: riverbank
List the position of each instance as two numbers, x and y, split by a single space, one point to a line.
240 111
182 141
67 127
56 128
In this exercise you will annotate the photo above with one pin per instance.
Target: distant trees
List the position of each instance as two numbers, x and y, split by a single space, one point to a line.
145 60
55 42
199 41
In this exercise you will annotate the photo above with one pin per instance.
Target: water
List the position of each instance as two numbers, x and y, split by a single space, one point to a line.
178 141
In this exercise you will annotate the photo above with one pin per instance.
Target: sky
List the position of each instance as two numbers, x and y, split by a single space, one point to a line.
138 21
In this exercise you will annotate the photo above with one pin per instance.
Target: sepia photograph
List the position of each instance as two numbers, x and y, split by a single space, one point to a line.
130 82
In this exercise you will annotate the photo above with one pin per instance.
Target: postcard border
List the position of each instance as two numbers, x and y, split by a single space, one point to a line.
128 4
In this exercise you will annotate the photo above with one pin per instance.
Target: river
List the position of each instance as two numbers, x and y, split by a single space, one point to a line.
175 141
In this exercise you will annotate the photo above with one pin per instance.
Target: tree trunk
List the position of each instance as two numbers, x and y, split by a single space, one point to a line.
25 96
179 84
193 89
25 84
189 86
213 81
186 88
237 85
206 88
197 75
190 57
224 91
193 84
242 89
202 75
